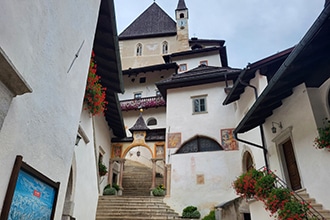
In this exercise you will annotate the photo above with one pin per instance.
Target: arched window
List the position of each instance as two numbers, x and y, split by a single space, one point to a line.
139 49
247 161
199 144
151 121
165 47
182 15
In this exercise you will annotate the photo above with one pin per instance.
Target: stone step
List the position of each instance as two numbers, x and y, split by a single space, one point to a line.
142 207
318 207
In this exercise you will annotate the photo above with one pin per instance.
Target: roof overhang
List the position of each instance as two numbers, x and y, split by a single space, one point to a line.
308 63
267 66
193 78
158 67
107 56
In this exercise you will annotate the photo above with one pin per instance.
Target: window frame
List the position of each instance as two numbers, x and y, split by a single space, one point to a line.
138 51
200 110
204 62
137 95
165 47
183 67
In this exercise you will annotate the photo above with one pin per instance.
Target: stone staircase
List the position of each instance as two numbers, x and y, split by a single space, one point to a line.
129 208
318 207
137 179
136 202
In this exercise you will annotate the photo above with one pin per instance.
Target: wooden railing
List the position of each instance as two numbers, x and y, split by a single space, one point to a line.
144 103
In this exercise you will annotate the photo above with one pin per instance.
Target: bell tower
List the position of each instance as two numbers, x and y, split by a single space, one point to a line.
181 16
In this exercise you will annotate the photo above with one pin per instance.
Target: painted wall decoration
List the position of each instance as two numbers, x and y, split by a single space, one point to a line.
116 151
30 194
160 153
174 140
228 141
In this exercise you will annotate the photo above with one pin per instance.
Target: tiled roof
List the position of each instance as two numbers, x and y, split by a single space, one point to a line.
200 75
139 125
181 5
152 22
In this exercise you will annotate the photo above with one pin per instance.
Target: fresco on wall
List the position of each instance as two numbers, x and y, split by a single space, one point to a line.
33 199
174 140
116 152
228 141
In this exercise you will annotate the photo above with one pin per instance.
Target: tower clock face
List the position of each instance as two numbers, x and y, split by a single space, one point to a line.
182 23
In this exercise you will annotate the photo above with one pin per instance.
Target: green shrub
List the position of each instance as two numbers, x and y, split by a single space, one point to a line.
210 216
158 192
116 186
109 191
191 212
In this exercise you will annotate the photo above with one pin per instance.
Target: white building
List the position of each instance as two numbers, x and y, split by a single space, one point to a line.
45 54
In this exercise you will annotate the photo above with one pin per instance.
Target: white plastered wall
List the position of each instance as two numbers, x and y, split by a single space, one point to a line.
41 39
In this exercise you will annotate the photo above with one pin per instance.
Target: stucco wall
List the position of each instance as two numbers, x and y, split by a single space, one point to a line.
193 61
218 168
304 131
41 39
151 51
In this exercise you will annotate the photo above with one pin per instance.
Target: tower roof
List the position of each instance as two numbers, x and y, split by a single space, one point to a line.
181 5
140 125
152 22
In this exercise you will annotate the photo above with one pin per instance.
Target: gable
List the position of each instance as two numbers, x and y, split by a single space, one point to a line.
152 22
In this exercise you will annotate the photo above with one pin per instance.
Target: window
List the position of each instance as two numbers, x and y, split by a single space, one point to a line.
199 104
158 93
203 62
138 95
151 121
139 49
199 144
143 79
182 67
165 47
181 15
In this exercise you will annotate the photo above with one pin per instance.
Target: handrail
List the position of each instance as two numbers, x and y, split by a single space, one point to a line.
312 212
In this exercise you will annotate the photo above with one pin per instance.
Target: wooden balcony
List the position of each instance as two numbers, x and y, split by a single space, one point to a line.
144 103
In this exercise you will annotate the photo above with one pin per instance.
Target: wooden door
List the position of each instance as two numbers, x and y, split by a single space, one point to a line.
291 164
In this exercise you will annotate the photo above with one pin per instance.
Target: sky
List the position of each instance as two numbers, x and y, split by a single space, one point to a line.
252 29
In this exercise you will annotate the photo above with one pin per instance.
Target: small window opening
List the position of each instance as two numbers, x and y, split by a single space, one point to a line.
151 121
139 49
143 79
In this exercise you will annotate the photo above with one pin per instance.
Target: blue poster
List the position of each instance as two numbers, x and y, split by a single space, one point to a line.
32 200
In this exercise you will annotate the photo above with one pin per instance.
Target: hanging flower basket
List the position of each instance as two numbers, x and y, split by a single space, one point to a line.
94 93
323 140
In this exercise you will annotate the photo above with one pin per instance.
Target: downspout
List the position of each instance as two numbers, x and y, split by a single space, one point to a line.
263 146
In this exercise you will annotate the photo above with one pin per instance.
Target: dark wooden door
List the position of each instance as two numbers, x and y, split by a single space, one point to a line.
291 164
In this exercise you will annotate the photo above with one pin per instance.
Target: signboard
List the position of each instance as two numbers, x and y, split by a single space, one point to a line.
30 194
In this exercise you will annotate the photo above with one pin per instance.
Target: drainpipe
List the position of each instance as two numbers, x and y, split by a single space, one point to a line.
263 146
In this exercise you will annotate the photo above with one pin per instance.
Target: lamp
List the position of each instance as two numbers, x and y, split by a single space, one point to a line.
274 128
138 153
77 140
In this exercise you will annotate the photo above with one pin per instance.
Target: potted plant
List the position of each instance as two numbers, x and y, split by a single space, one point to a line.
294 209
264 184
159 191
191 212
276 199
323 140
102 169
244 185
109 190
